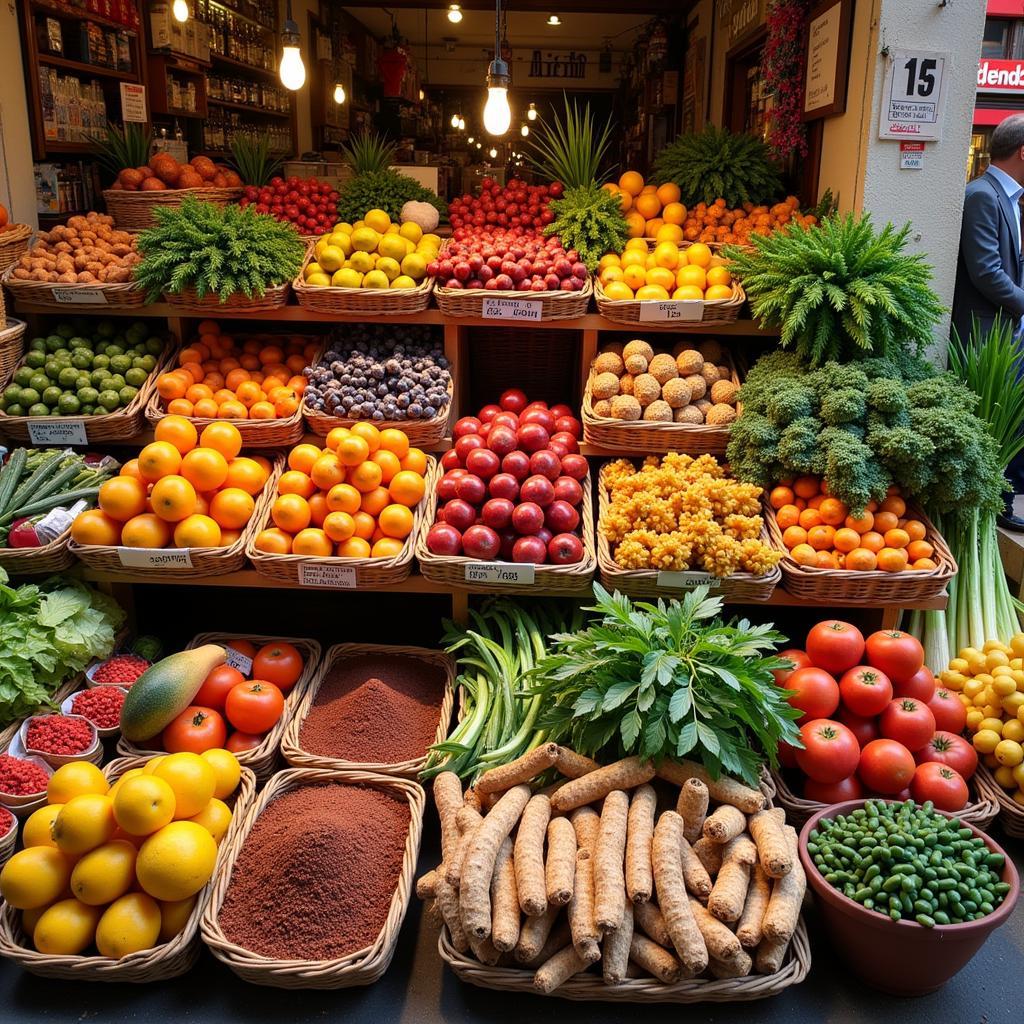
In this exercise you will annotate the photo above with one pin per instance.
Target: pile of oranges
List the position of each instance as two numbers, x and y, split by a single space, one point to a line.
667 273
819 531
219 376
352 499
185 490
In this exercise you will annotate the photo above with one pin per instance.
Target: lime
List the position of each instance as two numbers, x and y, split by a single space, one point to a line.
39 381
68 377
29 396
14 410
35 359
136 377
51 396
69 405
37 345
127 393
23 376
109 399
38 409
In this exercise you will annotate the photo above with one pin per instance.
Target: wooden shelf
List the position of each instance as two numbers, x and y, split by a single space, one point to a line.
69 147
79 14
98 70
230 62
247 107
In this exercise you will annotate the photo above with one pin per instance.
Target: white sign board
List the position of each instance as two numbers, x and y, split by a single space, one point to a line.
914 95
314 574
133 102
911 156
238 660
79 296
822 54
57 431
515 574
511 309
155 558
688 310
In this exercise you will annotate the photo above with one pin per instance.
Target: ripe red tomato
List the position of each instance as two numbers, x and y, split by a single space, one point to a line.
865 729
920 686
196 729
907 721
949 711
834 792
254 706
949 749
816 692
278 663
886 767
799 659
239 741
216 686
835 646
246 647
865 691
899 655
830 753
943 785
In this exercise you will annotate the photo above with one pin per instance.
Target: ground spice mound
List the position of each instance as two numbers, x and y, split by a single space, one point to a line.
315 877
375 709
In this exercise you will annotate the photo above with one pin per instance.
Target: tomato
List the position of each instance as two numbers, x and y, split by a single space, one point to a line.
799 659
920 686
830 753
196 729
865 729
907 721
239 741
835 646
254 706
246 647
950 713
943 785
816 693
278 663
865 691
886 767
952 750
834 792
216 685
899 655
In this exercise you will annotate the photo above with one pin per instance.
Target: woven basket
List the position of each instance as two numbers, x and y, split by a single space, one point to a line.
554 580
334 572
39 295
291 745
8 842
553 305
41 561
739 588
713 313
274 297
362 967
204 561
13 245
851 587
1009 812
12 345
345 301
133 211
168 960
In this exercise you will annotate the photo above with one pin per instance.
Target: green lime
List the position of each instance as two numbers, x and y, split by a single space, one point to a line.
115 381
149 363
154 346
54 342
29 396
135 377
52 369
37 345
23 376
127 393
83 380
15 410
82 359
68 377
51 396
114 350
38 409
65 330
97 377
35 359
69 405
120 363
87 410
11 395
39 381
101 361
109 399
88 395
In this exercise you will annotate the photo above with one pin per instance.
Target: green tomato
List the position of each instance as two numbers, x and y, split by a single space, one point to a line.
35 359
39 381
149 363
37 345
68 405
54 342
51 396
109 399
154 346
38 409
88 396
29 396
23 376
15 410
136 377
100 361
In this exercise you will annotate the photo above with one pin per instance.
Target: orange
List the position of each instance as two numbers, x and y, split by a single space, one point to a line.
674 213
197 531
232 508
788 515
178 431
610 274
366 476
804 554
205 408
924 563
327 471
294 482
354 547
131 468
648 206
204 468
415 461
173 498
633 278
235 378
291 512
821 538
286 405
668 194
273 541
846 539
618 290
918 549
376 500
780 496
632 182
635 224
806 487
895 504
793 536
302 457
229 537
171 385
861 523
892 560
716 292
389 464
344 498
886 521
407 488
202 503
699 255
122 497
826 560
336 436
662 277
146 531
247 474
262 411
395 521
719 275
369 433
312 542
339 526
861 559
816 501
872 540
896 538
180 407
833 511
652 227
810 517
159 459
690 275
914 527
233 410
249 393
318 508
655 293
395 441
386 547
365 524
95 527
353 450
224 437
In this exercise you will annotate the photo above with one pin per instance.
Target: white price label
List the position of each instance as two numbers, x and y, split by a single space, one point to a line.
79 296
238 660
57 431
511 309
155 558
685 310
914 95
313 574
500 572
911 156
687 580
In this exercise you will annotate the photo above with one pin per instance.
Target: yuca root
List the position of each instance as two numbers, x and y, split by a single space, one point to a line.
759 891
770 954
504 900
725 823
529 856
730 890
472 799
585 934
697 879
639 836
448 903
692 807
426 885
560 868
609 876
710 855
522 769
739 967
448 799
783 911
724 789
467 821
484 950
573 765
674 903
654 959
768 829
722 944
615 949
587 822
561 967
628 773
534 933
649 917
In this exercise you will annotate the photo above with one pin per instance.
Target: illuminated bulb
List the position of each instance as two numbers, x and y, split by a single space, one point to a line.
180 9
471 140
455 121
553 19
291 68
422 94
492 153
462 124
532 113
524 131
497 113
478 145
339 93
454 14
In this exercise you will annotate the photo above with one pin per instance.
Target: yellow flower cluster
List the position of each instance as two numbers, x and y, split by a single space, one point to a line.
678 512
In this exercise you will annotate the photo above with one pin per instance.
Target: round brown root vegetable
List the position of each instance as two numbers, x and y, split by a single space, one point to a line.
628 773
723 789
615 949
692 807
759 891
609 854
673 901
768 829
560 867
529 856
639 836
522 769
654 959
725 823
585 934
504 900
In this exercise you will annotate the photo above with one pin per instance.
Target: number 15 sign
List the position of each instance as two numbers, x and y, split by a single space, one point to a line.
914 95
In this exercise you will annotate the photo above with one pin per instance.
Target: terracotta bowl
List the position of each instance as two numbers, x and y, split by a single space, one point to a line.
901 958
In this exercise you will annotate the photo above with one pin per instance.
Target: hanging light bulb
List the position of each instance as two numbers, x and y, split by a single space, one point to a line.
554 20
462 124
525 130
478 145
454 13
471 140
180 10
291 68
455 121
497 113
339 93
422 95
492 152
532 112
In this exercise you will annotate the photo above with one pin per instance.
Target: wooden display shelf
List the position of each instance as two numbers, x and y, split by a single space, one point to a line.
247 107
79 14
80 67
230 62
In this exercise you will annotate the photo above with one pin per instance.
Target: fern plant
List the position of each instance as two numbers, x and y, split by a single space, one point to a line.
715 163
368 153
570 149
216 251
121 146
589 219
251 158
840 290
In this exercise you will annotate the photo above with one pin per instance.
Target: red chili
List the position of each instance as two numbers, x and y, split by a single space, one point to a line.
55 734
21 778
121 670
101 705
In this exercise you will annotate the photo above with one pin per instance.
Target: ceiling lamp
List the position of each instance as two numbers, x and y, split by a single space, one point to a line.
180 9
291 69
525 130
454 13
492 153
554 20
532 112
471 140
497 113
422 95
462 124
339 93
455 121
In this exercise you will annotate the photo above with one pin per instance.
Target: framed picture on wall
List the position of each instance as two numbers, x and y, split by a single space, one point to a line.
827 59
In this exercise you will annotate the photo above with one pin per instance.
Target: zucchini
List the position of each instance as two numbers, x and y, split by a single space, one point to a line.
39 476
11 474
68 498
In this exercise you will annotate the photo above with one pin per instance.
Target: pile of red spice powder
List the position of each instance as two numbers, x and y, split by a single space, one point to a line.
21 778
375 709
56 734
315 876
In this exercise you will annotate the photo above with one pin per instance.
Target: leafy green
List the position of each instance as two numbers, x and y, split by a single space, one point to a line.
589 219
570 149
383 190
368 153
667 680
250 156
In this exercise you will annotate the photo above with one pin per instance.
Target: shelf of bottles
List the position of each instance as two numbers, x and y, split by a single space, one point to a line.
245 35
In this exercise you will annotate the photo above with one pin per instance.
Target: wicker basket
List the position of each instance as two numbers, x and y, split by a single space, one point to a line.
553 305
713 313
375 301
41 561
339 573
12 345
362 967
554 580
8 842
200 562
133 211
262 760
40 295
13 245
168 960
850 587
291 745
1009 812
275 297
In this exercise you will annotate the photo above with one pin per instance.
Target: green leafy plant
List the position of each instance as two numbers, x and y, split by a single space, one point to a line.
570 149
216 251
589 219
383 190
667 680
840 289
250 156
715 163
121 146
368 153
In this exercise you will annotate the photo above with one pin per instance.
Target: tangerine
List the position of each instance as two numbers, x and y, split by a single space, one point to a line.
861 559
885 520
327 471
247 474
389 464
415 461
892 559
387 547
291 512
395 521
918 549
872 540
94 526
780 496
367 476
369 433
407 488
336 436
294 482
146 531
354 547
204 468
224 437
861 523
312 542
394 441
788 515
198 531
344 498
232 508
833 511
339 526
793 536
173 498
273 541
365 524
804 554
122 497
318 508
375 501
353 450
159 459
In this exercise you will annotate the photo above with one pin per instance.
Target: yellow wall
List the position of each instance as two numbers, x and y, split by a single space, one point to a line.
17 186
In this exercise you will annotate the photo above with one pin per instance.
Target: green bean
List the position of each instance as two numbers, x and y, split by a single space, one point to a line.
926 920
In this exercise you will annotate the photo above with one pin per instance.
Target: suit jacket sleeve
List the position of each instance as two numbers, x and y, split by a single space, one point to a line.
980 249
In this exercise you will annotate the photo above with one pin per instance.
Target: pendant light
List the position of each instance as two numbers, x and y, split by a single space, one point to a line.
525 130
493 153
553 20
497 113
531 113
291 68
454 121
454 13
462 124
339 93
180 10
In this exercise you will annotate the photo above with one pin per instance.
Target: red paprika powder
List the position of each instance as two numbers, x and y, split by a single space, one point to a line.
57 734
101 705
21 778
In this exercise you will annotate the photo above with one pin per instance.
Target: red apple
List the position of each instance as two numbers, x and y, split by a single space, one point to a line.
568 425
565 549
575 466
466 443
568 489
528 517
497 513
538 489
508 539
503 485
561 517
546 463
529 549
488 412
443 539
501 439
533 437
517 463
459 513
513 399
481 542
541 416
507 419
447 484
466 425
483 462
567 439
560 410
472 489
450 459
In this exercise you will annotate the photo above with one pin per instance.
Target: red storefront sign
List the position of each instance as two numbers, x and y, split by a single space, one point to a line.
1005 76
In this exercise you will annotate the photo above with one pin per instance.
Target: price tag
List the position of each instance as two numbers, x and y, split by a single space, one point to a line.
313 574
687 580
914 95
500 572
236 659
57 431
155 558
686 310
511 309
79 296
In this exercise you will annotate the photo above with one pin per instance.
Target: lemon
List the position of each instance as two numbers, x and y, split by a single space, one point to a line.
104 874
411 230
1009 753
686 291
392 230
320 246
342 227
152 764
378 220
85 822
226 768
391 267
361 262
66 928
318 280
311 269
128 925
177 861
347 278
376 279
215 817
637 244
652 292
365 239
34 877
341 240
130 774
431 239
74 779
392 246
415 266
666 254
38 829
403 281
618 290
174 916
331 259
191 778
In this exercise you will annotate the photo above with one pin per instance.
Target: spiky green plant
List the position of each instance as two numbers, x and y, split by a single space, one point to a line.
570 149
368 153
840 290
716 163
250 156
120 147
589 219
217 251
383 190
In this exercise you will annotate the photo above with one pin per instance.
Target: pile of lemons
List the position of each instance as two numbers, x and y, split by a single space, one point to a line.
670 271
374 252
120 867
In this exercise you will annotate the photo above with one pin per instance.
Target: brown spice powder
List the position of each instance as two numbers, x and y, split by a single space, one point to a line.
315 877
